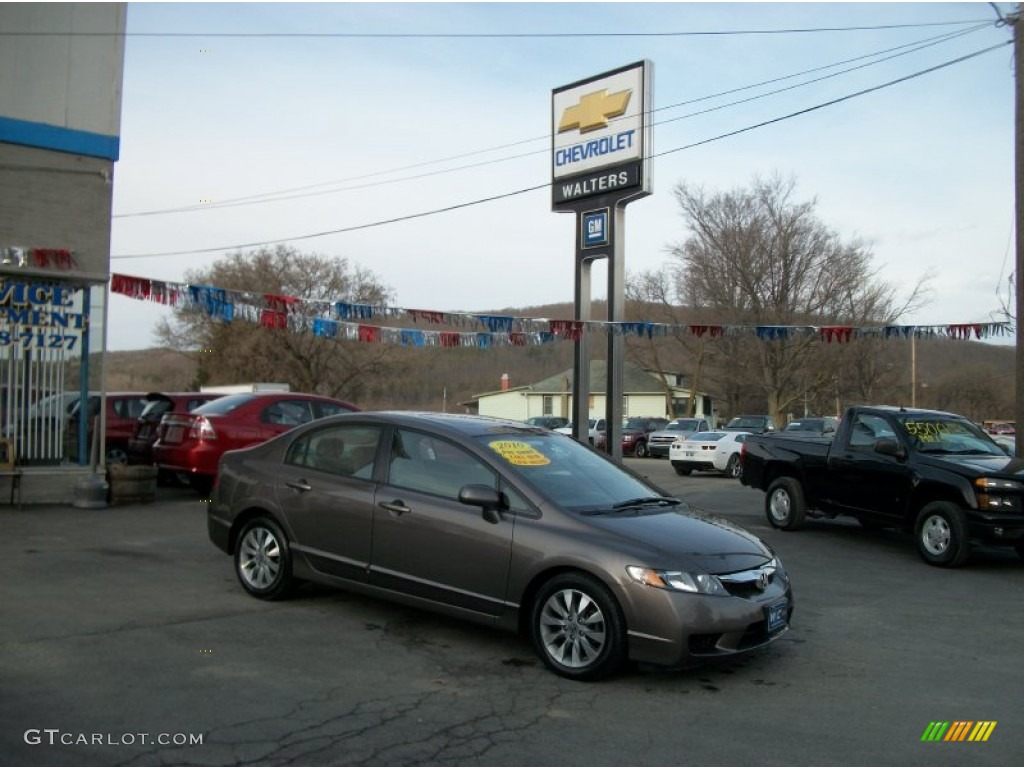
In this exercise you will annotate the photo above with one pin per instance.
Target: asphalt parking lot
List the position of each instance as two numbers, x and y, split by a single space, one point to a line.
126 640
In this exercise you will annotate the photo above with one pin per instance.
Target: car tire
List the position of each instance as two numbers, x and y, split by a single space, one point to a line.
1020 550
641 449
263 560
201 484
733 468
784 504
684 471
578 628
941 535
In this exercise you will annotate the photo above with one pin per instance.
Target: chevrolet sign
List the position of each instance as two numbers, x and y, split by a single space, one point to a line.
599 127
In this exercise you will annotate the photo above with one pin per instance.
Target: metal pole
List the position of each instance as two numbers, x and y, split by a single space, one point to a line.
1018 55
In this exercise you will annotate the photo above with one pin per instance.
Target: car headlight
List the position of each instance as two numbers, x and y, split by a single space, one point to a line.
996 494
678 581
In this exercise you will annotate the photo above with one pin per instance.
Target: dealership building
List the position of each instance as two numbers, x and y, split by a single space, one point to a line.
60 109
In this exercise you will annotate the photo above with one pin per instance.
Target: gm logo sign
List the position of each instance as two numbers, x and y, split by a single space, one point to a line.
959 730
595 228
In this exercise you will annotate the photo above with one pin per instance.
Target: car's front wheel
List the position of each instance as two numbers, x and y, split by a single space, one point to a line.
784 504
263 561
942 535
578 628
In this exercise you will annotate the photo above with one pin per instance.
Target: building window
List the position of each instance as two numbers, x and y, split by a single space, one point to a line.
548 408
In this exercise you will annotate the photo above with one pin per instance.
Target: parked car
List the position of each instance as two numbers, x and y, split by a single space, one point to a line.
123 409
819 426
934 473
658 442
596 429
548 422
140 447
192 443
491 521
636 430
709 451
756 424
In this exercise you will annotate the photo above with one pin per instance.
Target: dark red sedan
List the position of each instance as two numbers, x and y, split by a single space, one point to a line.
192 443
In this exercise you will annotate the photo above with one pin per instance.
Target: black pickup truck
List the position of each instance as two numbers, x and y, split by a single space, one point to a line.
936 474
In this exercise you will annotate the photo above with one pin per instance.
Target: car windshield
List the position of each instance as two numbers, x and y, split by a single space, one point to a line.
686 425
807 425
746 421
949 436
706 437
573 476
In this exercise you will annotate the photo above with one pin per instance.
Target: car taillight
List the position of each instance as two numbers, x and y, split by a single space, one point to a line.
202 429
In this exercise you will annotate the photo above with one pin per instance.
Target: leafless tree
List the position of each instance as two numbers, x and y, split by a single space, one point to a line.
245 351
759 257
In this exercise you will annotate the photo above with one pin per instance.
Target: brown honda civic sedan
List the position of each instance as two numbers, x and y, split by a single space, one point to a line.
501 523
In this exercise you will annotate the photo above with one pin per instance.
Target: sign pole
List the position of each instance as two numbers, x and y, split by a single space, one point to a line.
601 143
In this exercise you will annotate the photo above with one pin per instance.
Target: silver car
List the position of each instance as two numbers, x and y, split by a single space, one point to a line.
500 523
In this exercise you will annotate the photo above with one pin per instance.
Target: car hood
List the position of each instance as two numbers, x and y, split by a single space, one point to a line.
687 539
1003 465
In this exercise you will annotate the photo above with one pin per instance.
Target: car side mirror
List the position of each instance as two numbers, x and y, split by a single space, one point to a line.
890 447
485 497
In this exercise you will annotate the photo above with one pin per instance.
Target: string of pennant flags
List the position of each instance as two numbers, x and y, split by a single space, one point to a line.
345 321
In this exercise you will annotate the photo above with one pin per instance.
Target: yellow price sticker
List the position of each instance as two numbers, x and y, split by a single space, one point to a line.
519 454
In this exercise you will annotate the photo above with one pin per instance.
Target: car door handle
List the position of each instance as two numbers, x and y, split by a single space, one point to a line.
396 507
300 485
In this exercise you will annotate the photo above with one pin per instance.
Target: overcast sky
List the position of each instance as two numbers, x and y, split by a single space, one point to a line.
361 127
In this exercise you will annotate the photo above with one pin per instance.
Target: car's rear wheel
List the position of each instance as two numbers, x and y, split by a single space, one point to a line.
784 504
641 449
578 628
263 559
941 535
733 468
202 484
681 470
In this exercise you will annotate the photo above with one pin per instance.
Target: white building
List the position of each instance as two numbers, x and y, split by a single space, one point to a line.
645 393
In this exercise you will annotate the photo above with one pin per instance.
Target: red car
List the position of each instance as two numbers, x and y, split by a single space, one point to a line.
192 443
140 447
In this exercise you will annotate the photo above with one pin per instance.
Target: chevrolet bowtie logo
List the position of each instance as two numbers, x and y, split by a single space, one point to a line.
593 111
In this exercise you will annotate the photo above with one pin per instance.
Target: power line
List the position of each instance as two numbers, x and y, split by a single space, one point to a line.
470 203
493 35
285 194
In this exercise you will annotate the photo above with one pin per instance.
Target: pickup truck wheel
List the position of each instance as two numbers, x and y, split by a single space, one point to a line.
641 450
941 531
784 504
733 467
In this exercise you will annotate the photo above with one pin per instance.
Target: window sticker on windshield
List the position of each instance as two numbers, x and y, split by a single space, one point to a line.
519 454
928 431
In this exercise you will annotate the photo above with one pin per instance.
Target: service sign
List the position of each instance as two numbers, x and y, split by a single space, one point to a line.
601 134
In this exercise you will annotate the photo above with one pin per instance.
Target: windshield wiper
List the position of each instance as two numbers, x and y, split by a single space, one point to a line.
645 501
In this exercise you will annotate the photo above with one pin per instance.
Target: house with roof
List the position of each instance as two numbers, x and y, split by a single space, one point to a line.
645 393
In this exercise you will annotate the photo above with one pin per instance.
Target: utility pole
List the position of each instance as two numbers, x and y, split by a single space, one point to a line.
1018 55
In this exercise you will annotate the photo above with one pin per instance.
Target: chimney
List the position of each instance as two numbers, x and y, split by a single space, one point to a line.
504 382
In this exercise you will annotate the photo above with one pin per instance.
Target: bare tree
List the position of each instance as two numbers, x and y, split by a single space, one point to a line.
244 351
760 258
